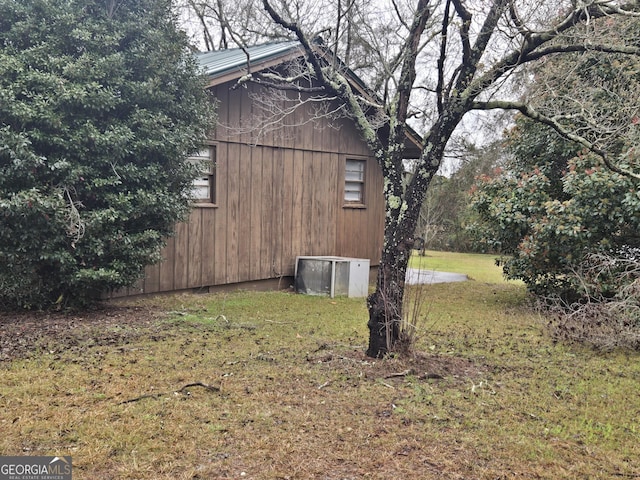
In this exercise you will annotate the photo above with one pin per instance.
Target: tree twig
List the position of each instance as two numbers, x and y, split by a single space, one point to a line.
400 374
211 388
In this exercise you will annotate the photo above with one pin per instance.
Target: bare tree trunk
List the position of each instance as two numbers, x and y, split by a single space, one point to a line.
385 303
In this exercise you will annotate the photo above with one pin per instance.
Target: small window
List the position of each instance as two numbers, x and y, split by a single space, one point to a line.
354 182
204 186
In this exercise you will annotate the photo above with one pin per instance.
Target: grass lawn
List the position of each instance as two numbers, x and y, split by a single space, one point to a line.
275 386
481 268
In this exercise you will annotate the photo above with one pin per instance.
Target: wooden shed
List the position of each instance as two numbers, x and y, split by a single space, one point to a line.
266 196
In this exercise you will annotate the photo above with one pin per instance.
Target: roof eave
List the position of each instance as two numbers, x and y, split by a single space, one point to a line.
238 71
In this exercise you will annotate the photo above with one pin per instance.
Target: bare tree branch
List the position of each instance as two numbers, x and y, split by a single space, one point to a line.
466 17
292 27
517 22
275 114
443 55
531 113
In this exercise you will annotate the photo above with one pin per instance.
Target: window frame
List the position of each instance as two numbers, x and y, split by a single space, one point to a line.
210 174
362 182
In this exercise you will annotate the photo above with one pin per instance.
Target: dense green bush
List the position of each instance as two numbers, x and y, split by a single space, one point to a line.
100 102
551 209
555 206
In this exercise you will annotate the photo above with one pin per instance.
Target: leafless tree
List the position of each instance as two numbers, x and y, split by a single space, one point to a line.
590 93
222 24
431 63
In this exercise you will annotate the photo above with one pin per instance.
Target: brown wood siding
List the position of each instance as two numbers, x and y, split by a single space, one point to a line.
220 215
277 198
244 221
361 229
209 236
230 204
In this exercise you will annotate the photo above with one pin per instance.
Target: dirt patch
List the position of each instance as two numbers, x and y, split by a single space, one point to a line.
420 365
24 334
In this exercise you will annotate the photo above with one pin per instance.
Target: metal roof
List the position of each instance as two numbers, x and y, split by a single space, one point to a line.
222 62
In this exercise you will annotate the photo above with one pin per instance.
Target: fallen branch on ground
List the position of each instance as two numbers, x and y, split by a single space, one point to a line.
211 388
400 374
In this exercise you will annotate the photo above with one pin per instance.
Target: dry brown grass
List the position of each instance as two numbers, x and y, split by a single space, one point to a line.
489 397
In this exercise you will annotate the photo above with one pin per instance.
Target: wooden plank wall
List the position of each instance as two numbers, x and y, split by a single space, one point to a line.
279 196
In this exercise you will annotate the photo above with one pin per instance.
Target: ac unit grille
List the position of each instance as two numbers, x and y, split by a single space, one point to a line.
333 276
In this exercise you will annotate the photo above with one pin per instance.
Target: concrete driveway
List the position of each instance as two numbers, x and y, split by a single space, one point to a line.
416 276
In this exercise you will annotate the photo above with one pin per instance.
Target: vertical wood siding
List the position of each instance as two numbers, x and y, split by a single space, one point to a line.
277 197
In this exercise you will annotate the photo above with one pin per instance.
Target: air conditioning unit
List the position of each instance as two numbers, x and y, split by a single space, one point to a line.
333 276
